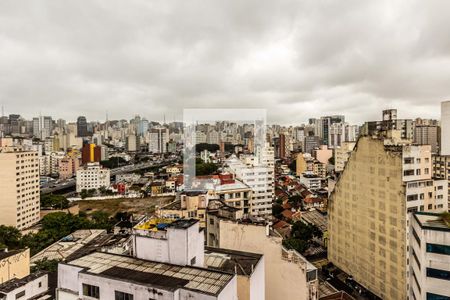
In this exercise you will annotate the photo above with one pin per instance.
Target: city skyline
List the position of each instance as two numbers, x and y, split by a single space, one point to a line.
290 57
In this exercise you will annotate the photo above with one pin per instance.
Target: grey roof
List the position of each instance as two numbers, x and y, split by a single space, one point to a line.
148 273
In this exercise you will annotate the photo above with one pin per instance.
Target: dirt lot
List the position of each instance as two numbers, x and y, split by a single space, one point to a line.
136 206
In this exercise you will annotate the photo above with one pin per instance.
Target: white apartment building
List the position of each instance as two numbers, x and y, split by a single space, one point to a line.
19 188
167 263
311 181
92 176
429 257
260 178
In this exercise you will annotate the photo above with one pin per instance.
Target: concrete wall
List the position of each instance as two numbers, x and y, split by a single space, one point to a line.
283 279
257 282
32 288
15 266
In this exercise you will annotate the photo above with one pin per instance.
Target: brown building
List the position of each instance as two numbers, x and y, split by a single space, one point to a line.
90 153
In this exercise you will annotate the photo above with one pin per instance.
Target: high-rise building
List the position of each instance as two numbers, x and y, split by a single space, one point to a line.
445 127
19 188
260 177
90 153
427 135
82 128
341 155
311 142
369 212
325 124
159 137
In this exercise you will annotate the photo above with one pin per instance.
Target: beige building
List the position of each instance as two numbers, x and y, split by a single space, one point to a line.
369 210
14 264
19 188
288 274
300 164
441 170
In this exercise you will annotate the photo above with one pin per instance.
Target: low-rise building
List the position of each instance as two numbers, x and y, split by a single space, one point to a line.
33 286
107 276
288 274
311 181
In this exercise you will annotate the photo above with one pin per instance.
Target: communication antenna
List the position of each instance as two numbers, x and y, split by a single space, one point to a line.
3 110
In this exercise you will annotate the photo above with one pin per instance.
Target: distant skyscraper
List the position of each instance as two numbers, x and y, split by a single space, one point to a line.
427 135
82 129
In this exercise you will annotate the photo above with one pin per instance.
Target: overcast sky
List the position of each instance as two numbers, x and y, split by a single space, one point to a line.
298 59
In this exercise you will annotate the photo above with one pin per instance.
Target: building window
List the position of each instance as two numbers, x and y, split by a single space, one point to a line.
20 295
431 296
439 249
122 296
91 291
440 274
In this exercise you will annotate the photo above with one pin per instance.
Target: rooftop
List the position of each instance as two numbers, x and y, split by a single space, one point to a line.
15 283
431 221
161 224
69 245
148 273
5 254
231 261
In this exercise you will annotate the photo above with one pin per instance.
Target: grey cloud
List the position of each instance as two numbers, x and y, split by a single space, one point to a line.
298 59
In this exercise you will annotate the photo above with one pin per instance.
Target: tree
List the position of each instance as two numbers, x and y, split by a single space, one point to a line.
101 220
49 265
299 245
205 169
277 209
54 201
10 237
204 146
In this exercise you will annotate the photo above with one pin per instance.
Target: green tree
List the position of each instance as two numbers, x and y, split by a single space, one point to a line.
101 220
277 209
299 245
54 201
205 169
49 265
10 237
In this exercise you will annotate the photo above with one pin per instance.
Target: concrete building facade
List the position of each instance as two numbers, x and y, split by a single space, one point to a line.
19 188
368 212
429 256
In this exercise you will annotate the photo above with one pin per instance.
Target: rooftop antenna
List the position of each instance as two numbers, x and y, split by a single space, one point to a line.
164 119
3 110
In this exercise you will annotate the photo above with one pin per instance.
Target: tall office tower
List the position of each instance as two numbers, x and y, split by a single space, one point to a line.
36 127
282 153
46 127
325 124
159 137
369 211
427 135
445 127
82 129
311 142
61 124
19 188
142 127
14 121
